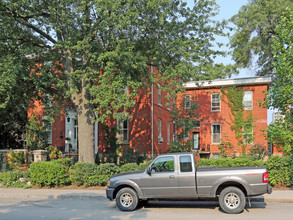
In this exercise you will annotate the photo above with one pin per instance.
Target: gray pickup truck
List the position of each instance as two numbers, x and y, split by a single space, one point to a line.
176 177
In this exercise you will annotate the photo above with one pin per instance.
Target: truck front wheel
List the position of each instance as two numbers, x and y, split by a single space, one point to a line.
126 199
232 200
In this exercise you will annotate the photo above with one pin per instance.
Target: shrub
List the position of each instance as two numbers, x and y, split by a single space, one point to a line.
227 162
129 167
129 156
11 179
144 165
83 174
48 174
279 170
105 171
65 161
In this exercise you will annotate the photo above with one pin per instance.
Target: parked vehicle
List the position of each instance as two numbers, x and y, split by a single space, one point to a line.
176 177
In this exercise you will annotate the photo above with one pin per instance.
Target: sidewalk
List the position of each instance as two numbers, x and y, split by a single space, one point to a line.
282 196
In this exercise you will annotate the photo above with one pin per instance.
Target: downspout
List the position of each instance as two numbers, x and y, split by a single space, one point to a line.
96 134
152 115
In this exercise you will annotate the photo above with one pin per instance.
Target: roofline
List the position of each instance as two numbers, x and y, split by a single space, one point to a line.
229 82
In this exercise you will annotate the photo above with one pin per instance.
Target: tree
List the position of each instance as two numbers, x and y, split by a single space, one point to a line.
106 45
256 24
186 117
280 93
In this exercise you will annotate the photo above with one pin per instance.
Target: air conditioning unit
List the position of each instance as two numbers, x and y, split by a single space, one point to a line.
161 139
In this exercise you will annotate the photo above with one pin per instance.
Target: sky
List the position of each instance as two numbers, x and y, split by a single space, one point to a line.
227 9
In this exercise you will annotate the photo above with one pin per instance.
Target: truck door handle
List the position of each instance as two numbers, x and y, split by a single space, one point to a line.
172 177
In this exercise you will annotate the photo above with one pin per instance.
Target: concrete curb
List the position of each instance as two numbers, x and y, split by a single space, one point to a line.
42 194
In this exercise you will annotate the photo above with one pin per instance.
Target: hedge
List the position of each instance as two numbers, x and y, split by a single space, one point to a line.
48 174
11 178
279 168
58 173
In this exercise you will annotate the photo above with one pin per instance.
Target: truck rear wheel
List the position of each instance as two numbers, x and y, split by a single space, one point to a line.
232 200
126 199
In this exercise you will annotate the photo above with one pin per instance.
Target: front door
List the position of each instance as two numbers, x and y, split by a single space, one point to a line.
195 137
163 181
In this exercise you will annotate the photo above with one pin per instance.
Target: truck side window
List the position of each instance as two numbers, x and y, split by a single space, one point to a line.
185 164
163 164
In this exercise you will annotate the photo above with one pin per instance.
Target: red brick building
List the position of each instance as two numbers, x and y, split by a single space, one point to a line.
151 130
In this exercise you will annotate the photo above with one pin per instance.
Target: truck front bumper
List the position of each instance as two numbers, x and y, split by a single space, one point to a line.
110 193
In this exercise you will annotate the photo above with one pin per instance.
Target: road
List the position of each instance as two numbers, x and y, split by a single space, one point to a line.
102 209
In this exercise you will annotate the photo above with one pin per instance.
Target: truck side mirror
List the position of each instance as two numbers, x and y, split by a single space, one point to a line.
149 170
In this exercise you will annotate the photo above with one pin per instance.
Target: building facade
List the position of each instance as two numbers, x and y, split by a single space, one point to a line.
151 130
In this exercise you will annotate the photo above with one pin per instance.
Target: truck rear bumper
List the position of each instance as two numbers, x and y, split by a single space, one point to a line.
270 189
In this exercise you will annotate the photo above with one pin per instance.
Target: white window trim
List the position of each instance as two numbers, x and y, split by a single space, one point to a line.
212 102
169 132
159 95
212 132
248 108
244 142
121 135
160 138
189 99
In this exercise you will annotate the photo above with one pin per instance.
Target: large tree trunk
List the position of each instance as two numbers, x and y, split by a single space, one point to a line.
85 115
85 128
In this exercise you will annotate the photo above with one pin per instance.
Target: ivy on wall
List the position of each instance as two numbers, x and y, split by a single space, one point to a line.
241 122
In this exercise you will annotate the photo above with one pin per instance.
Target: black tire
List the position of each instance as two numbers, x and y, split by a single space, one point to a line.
126 199
232 200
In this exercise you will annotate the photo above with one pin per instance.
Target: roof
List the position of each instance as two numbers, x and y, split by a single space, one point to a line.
229 82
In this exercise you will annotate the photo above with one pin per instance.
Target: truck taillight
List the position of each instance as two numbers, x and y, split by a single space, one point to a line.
265 177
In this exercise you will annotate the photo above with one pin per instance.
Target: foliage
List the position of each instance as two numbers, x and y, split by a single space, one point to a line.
256 25
228 162
55 153
279 168
241 121
11 179
258 152
110 135
83 174
17 160
105 171
129 167
224 148
280 96
280 172
48 174
131 156
36 134
64 161
112 42
186 118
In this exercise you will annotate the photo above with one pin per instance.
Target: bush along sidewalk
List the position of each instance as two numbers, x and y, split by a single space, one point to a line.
60 172
279 167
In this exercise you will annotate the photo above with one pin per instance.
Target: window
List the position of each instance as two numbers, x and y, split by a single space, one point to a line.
216 134
48 128
216 102
174 132
248 133
122 131
187 102
185 164
185 133
159 95
163 164
49 133
160 131
168 132
247 100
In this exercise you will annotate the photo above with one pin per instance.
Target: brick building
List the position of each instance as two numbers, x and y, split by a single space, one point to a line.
151 130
